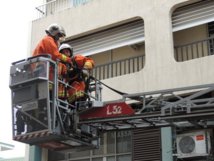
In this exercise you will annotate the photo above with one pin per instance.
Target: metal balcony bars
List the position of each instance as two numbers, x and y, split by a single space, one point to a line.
54 6
118 68
194 50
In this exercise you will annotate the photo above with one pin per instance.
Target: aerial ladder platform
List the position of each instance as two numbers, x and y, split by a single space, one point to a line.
189 106
40 117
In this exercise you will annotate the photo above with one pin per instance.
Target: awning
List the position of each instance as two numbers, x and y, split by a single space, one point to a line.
115 37
192 15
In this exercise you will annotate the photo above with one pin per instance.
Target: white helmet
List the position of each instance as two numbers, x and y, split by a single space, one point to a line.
66 46
55 31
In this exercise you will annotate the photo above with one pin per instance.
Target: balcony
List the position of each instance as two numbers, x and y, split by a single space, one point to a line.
118 68
130 65
194 50
54 6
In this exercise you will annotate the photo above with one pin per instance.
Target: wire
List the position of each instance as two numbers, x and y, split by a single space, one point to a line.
117 91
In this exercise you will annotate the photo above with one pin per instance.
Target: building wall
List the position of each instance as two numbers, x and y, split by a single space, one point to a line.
161 71
189 35
118 54
103 58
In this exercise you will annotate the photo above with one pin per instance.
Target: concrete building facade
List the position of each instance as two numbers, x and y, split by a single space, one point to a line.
138 46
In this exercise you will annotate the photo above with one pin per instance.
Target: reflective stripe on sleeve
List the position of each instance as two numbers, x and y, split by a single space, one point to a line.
64 58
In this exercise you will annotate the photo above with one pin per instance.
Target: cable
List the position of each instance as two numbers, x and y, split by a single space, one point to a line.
119 92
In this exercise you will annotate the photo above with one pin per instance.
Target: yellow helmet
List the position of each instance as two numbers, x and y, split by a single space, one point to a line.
88 65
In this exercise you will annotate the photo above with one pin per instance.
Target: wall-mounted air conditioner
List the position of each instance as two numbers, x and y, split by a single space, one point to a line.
193 144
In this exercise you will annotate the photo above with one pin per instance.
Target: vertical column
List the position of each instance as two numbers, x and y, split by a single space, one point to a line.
166 143
35 153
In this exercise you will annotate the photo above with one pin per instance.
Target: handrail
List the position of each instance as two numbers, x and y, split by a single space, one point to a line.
119 67
54 6
194 49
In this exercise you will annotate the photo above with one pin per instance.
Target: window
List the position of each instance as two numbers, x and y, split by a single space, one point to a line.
189 23
100 150
211 36
97 159
111 142
117 50
110 159
123 141
79 154
124 158
115 146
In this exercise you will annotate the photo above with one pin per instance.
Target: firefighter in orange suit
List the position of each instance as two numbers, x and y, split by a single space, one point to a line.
63 68
50 43
78 73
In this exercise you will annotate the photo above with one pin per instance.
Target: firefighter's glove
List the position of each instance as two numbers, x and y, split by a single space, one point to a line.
85 72
69 63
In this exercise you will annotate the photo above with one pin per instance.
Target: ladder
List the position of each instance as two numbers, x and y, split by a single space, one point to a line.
180 107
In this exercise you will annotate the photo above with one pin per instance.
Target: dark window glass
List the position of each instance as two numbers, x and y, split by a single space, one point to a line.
110 142
123 141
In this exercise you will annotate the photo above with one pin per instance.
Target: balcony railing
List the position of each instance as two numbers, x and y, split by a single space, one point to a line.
118 68
194 50
56 6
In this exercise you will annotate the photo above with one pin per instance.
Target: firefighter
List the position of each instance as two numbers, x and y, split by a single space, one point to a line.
78 74
66 50
49 44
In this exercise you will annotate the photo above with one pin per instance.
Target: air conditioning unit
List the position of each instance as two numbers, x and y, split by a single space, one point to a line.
193 144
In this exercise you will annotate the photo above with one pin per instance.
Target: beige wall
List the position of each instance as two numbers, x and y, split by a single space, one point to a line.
102 58
190 35
122 67
127 52
118 54
161 71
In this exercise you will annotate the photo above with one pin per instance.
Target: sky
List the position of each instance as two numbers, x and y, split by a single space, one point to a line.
16 17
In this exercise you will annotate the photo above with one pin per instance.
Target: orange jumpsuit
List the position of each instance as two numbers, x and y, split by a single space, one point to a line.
77 79
49 46
62 72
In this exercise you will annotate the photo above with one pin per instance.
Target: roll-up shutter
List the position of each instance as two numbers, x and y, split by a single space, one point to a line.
193 15
146 144
126 34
